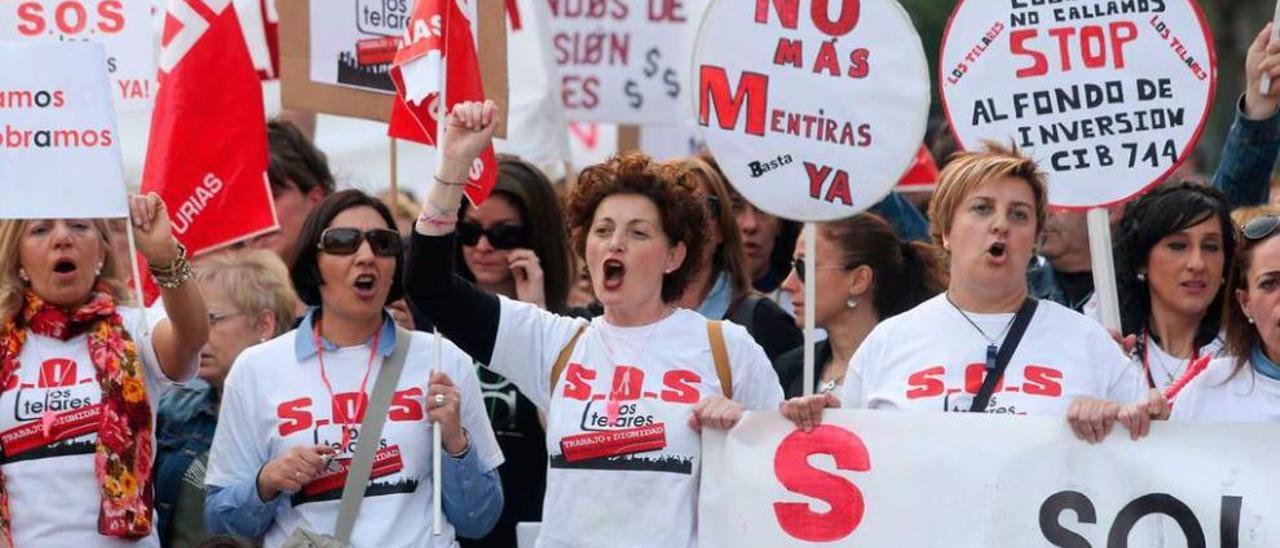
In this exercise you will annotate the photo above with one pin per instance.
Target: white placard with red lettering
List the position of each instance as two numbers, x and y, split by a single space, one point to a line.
59 151
1108 97
625 61
873 478
813 108
354 41
123 26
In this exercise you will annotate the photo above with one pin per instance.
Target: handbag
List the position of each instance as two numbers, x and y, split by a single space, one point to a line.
362 462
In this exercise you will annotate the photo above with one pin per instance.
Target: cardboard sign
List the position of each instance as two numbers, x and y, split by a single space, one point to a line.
123 26
335 55
59 151
813 108
869 478
1108 97
625 61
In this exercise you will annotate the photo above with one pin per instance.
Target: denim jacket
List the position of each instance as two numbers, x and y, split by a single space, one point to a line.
185 423
1249 153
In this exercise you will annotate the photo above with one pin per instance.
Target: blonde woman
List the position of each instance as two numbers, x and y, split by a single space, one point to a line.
80 376
250 299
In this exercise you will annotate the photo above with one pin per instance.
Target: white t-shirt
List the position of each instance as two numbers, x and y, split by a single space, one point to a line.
1216 395
1166 368
931 358
647 498
271 402
53 491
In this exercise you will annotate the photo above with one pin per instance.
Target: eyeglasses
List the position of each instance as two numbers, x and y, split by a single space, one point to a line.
500 236
1261 227
215 319
345 241
798 264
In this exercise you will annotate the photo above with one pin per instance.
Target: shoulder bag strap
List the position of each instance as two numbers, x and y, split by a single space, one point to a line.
562 360
375 415
1020 322
715 333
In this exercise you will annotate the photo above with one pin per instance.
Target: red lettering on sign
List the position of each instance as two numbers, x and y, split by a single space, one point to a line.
791 465
1097 46
752 94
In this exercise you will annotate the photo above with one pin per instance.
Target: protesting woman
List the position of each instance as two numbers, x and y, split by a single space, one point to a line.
720 287
1244 386
250 299
865 273
516 245
1172 250
625 393
80 376
986 214
292 408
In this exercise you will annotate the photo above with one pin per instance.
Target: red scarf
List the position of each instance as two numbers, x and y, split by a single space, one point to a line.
123 456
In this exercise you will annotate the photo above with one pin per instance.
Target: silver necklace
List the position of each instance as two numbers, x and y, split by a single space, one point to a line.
992 349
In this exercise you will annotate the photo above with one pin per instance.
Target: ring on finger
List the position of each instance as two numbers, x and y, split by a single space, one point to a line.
439 400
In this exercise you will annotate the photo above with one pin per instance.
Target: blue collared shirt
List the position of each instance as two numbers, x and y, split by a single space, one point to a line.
1249 153
472 496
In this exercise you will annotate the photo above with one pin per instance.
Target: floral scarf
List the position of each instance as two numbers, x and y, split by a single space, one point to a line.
123 456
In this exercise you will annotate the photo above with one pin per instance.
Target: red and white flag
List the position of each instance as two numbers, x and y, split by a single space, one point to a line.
207 155
438 54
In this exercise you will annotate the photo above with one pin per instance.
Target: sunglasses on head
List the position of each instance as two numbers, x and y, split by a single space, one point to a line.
1261 227
345 241
500 236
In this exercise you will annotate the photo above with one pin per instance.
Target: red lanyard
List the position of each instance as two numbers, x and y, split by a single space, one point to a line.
360 403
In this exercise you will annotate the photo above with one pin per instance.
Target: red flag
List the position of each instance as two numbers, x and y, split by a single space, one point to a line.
207 155
438 33
922 176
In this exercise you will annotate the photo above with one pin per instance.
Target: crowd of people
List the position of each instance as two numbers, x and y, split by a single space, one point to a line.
648 297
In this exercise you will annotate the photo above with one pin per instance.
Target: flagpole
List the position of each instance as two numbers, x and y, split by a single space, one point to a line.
395 178
437 447
137 277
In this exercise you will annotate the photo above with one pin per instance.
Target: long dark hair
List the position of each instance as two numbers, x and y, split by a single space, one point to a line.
906 273
1157 214
531 193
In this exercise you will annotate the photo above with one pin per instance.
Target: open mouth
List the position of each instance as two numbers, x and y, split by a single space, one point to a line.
997 250
64 266
364 284
614 273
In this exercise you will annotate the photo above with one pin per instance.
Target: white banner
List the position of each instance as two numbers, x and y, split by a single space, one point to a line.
625 61
59 151
123 26
1108 97
353 41
814 109
867 478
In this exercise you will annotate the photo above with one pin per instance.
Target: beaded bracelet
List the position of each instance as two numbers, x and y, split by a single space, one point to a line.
174 274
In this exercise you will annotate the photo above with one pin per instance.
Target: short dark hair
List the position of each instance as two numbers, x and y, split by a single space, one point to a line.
677 196
306 271
1157 214
295 161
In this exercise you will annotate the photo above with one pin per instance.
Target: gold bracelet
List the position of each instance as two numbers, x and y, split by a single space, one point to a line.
176 273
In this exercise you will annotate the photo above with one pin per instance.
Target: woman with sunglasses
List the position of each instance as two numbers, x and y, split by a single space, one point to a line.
81 374
1172 251
721 284
292 407
1244 385
865 274
987 214
626 393
516 245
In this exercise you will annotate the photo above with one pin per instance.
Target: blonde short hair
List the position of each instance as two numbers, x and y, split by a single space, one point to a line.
12 288
969 171
255 280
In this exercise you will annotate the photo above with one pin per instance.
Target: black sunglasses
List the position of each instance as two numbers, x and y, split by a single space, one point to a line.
798 264
501 235
1261 227
345 241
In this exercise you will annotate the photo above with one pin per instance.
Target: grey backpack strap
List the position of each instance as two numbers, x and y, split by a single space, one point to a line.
370 432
